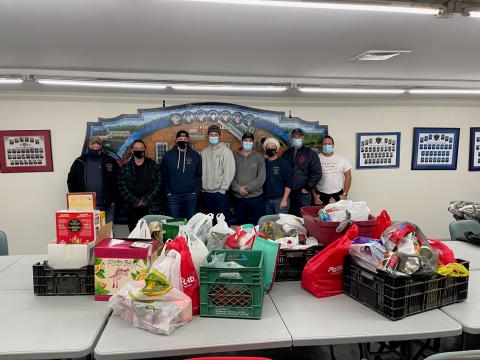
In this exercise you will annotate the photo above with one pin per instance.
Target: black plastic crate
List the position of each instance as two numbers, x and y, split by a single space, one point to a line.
291 263
398 297
48 281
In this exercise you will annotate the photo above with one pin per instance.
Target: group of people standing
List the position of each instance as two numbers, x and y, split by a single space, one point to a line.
261 184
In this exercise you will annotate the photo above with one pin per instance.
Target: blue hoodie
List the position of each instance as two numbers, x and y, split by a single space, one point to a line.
182 171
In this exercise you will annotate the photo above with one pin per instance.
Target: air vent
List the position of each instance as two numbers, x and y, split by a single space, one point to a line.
378 55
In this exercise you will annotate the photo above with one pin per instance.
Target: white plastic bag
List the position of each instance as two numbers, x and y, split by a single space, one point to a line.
198 250
141 231
199 225
168 264
359 210
161 313
221 227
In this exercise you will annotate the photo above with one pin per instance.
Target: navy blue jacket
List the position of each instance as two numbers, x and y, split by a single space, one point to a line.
279 176
182 171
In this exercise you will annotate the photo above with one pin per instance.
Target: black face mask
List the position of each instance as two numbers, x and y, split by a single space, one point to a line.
182 144
139 154
270 152
95 154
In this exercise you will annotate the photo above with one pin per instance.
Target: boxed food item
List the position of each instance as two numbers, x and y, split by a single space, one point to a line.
119 261
77 227
81 201
75 256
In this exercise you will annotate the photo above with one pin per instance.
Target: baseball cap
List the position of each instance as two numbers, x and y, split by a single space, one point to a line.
297 131
215 128
247 135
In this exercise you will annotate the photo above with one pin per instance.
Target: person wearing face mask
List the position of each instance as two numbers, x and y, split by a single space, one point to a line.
218 170
96 172
307 171
279 181
247 185
182 177
139 184
337 175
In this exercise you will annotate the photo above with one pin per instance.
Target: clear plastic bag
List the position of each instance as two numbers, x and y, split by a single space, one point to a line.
159 314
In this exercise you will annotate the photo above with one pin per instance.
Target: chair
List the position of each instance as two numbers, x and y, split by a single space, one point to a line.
460 227
229 358
456 355
266 218
150 218
3 243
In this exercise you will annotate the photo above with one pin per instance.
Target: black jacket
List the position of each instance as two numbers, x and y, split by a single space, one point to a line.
182 171
77 179
307 169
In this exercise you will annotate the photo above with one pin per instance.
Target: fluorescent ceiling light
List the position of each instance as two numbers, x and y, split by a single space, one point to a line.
106 84
11 80
330 6
327 90
475 14
264 88
379 55
444 91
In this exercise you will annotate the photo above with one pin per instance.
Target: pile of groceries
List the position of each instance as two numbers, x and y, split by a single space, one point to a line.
169 270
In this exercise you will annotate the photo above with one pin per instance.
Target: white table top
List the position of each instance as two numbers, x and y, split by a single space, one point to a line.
342 320
46 327
19 275
203 335
6 261
467 313
466 251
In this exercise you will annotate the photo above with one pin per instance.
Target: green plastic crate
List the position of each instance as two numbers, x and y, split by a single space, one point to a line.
172 227
233 293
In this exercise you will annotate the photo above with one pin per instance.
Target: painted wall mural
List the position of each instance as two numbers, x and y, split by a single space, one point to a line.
157 127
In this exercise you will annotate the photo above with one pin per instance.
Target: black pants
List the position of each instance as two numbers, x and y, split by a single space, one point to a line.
135 214
325 198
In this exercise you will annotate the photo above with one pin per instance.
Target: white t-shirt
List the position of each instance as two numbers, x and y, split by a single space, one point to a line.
333 169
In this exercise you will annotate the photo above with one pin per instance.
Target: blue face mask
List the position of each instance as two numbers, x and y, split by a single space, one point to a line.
247 145
297 143
327 149
214 140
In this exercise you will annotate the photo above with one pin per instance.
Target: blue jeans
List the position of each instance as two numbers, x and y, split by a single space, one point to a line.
249 210
182 205
272 206
299 200
217 203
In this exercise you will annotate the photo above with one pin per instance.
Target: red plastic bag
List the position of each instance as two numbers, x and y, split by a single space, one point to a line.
323 274
383 222
242 239
445 255
190 283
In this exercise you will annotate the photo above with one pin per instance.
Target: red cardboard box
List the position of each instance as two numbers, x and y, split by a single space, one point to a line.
119 261
77 227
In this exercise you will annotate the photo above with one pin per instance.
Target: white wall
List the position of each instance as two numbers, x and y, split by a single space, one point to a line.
29 200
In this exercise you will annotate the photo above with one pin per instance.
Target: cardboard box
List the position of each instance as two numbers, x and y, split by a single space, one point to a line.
81 201
75 256
77 227
119 261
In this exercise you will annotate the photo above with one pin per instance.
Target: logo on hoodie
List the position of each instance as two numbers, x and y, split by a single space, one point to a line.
189 161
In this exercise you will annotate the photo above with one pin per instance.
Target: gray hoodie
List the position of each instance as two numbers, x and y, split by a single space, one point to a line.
249 172
218 168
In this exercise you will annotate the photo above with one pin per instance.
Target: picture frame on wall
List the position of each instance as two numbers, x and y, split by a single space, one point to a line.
25 151
474 158
378 150
435 148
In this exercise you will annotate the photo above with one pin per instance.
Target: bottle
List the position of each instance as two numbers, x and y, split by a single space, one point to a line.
323 215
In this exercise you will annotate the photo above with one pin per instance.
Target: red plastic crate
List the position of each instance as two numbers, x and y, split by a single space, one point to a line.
325 232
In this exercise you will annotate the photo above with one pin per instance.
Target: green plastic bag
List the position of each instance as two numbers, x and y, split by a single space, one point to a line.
271 251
